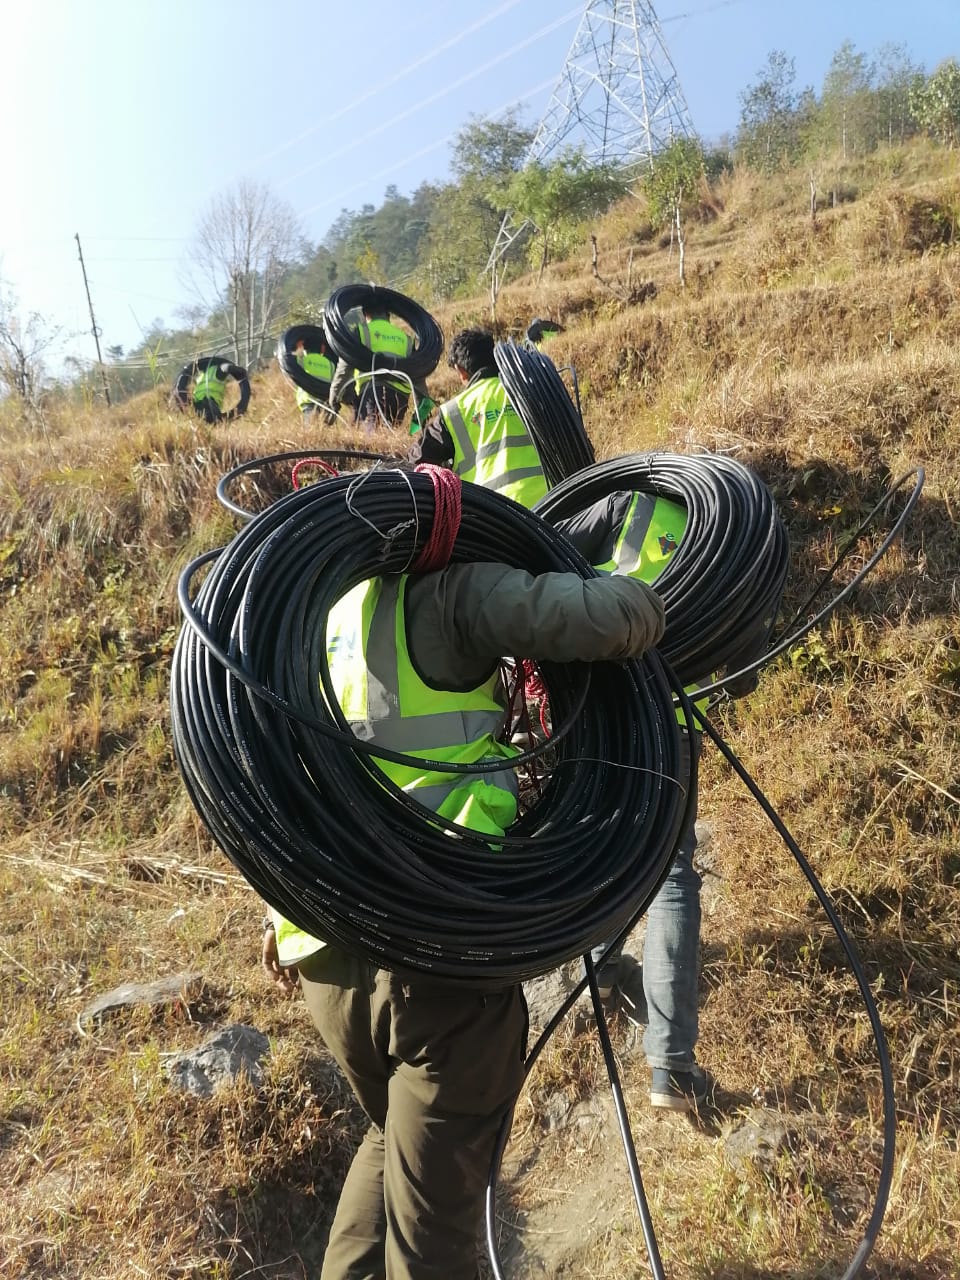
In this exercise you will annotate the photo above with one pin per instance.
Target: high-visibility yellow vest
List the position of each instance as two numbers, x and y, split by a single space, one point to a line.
383 336
491 445
366 634
210 384
648 538
319 367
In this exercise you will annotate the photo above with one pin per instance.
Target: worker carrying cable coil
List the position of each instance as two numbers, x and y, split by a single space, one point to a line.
384 361
478 433
307 362
202 384
638 533
404 667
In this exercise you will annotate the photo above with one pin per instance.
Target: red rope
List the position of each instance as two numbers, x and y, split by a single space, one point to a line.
447 506
311 462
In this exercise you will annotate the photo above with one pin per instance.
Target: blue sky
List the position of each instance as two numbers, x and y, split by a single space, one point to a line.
121 120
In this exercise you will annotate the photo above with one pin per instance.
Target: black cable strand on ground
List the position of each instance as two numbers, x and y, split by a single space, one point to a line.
294 801
872 1229
726 579
313 339
255 467
346 344
790 638
537 392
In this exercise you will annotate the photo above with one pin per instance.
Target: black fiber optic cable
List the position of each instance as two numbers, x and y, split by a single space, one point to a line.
881 1196
539 395
726 578
295 802
314 340
256 467
343 338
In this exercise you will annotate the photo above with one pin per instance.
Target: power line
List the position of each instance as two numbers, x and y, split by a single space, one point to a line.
372 177
394 79
442 93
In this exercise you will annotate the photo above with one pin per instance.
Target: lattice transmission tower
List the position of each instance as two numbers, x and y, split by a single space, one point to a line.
618 98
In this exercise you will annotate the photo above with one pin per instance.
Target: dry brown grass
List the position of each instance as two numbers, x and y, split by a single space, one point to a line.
827 359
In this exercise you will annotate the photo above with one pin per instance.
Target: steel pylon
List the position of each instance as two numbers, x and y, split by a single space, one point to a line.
617 99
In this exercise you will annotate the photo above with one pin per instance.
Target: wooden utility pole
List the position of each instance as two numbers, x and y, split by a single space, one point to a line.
93 323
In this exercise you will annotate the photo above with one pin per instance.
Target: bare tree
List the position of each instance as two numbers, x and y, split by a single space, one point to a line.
244 243
23 343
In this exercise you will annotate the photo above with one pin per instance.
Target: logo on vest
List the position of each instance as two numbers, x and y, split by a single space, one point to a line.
668 543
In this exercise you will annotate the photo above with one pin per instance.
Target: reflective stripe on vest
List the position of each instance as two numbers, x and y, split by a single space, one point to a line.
381 335
649 536
491 445
210 386
319 367
385 701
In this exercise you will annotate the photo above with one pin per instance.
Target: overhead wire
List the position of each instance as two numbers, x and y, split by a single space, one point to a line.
384 85
398 117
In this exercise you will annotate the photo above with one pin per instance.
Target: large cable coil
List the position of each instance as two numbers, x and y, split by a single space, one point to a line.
343 337
726 579
537 392
193 368
296 803
314 340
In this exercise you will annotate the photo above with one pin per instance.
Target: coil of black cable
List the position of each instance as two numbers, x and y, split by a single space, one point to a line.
271 476
537 392
342 337
188 374
293 799
726 579
314 339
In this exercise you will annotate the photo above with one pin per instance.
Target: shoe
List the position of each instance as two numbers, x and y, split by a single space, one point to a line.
607 986
687 1091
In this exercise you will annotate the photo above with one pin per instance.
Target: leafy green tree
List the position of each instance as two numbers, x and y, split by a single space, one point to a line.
490 151
486 155
897 78
768 134
847 121
936 104
671 185
558 196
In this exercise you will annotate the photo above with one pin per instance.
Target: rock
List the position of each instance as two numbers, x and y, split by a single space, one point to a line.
179 988
220 1060
758 1141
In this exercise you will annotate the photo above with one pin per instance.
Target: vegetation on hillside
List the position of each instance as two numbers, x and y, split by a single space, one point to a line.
822 351
254 272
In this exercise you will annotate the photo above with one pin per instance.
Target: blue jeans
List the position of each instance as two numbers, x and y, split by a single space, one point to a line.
671 954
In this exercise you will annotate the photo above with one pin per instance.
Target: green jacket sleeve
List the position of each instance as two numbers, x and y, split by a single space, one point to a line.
465 617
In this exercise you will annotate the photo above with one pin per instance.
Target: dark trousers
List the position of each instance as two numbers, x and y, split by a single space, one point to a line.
207 409
436 1067
380 404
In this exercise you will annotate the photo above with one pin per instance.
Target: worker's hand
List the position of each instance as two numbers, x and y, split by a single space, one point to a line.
284 977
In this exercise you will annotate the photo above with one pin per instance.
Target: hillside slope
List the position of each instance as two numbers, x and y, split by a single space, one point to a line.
827 357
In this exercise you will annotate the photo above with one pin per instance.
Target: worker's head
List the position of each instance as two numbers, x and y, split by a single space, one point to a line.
374 309
470 351
540 328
